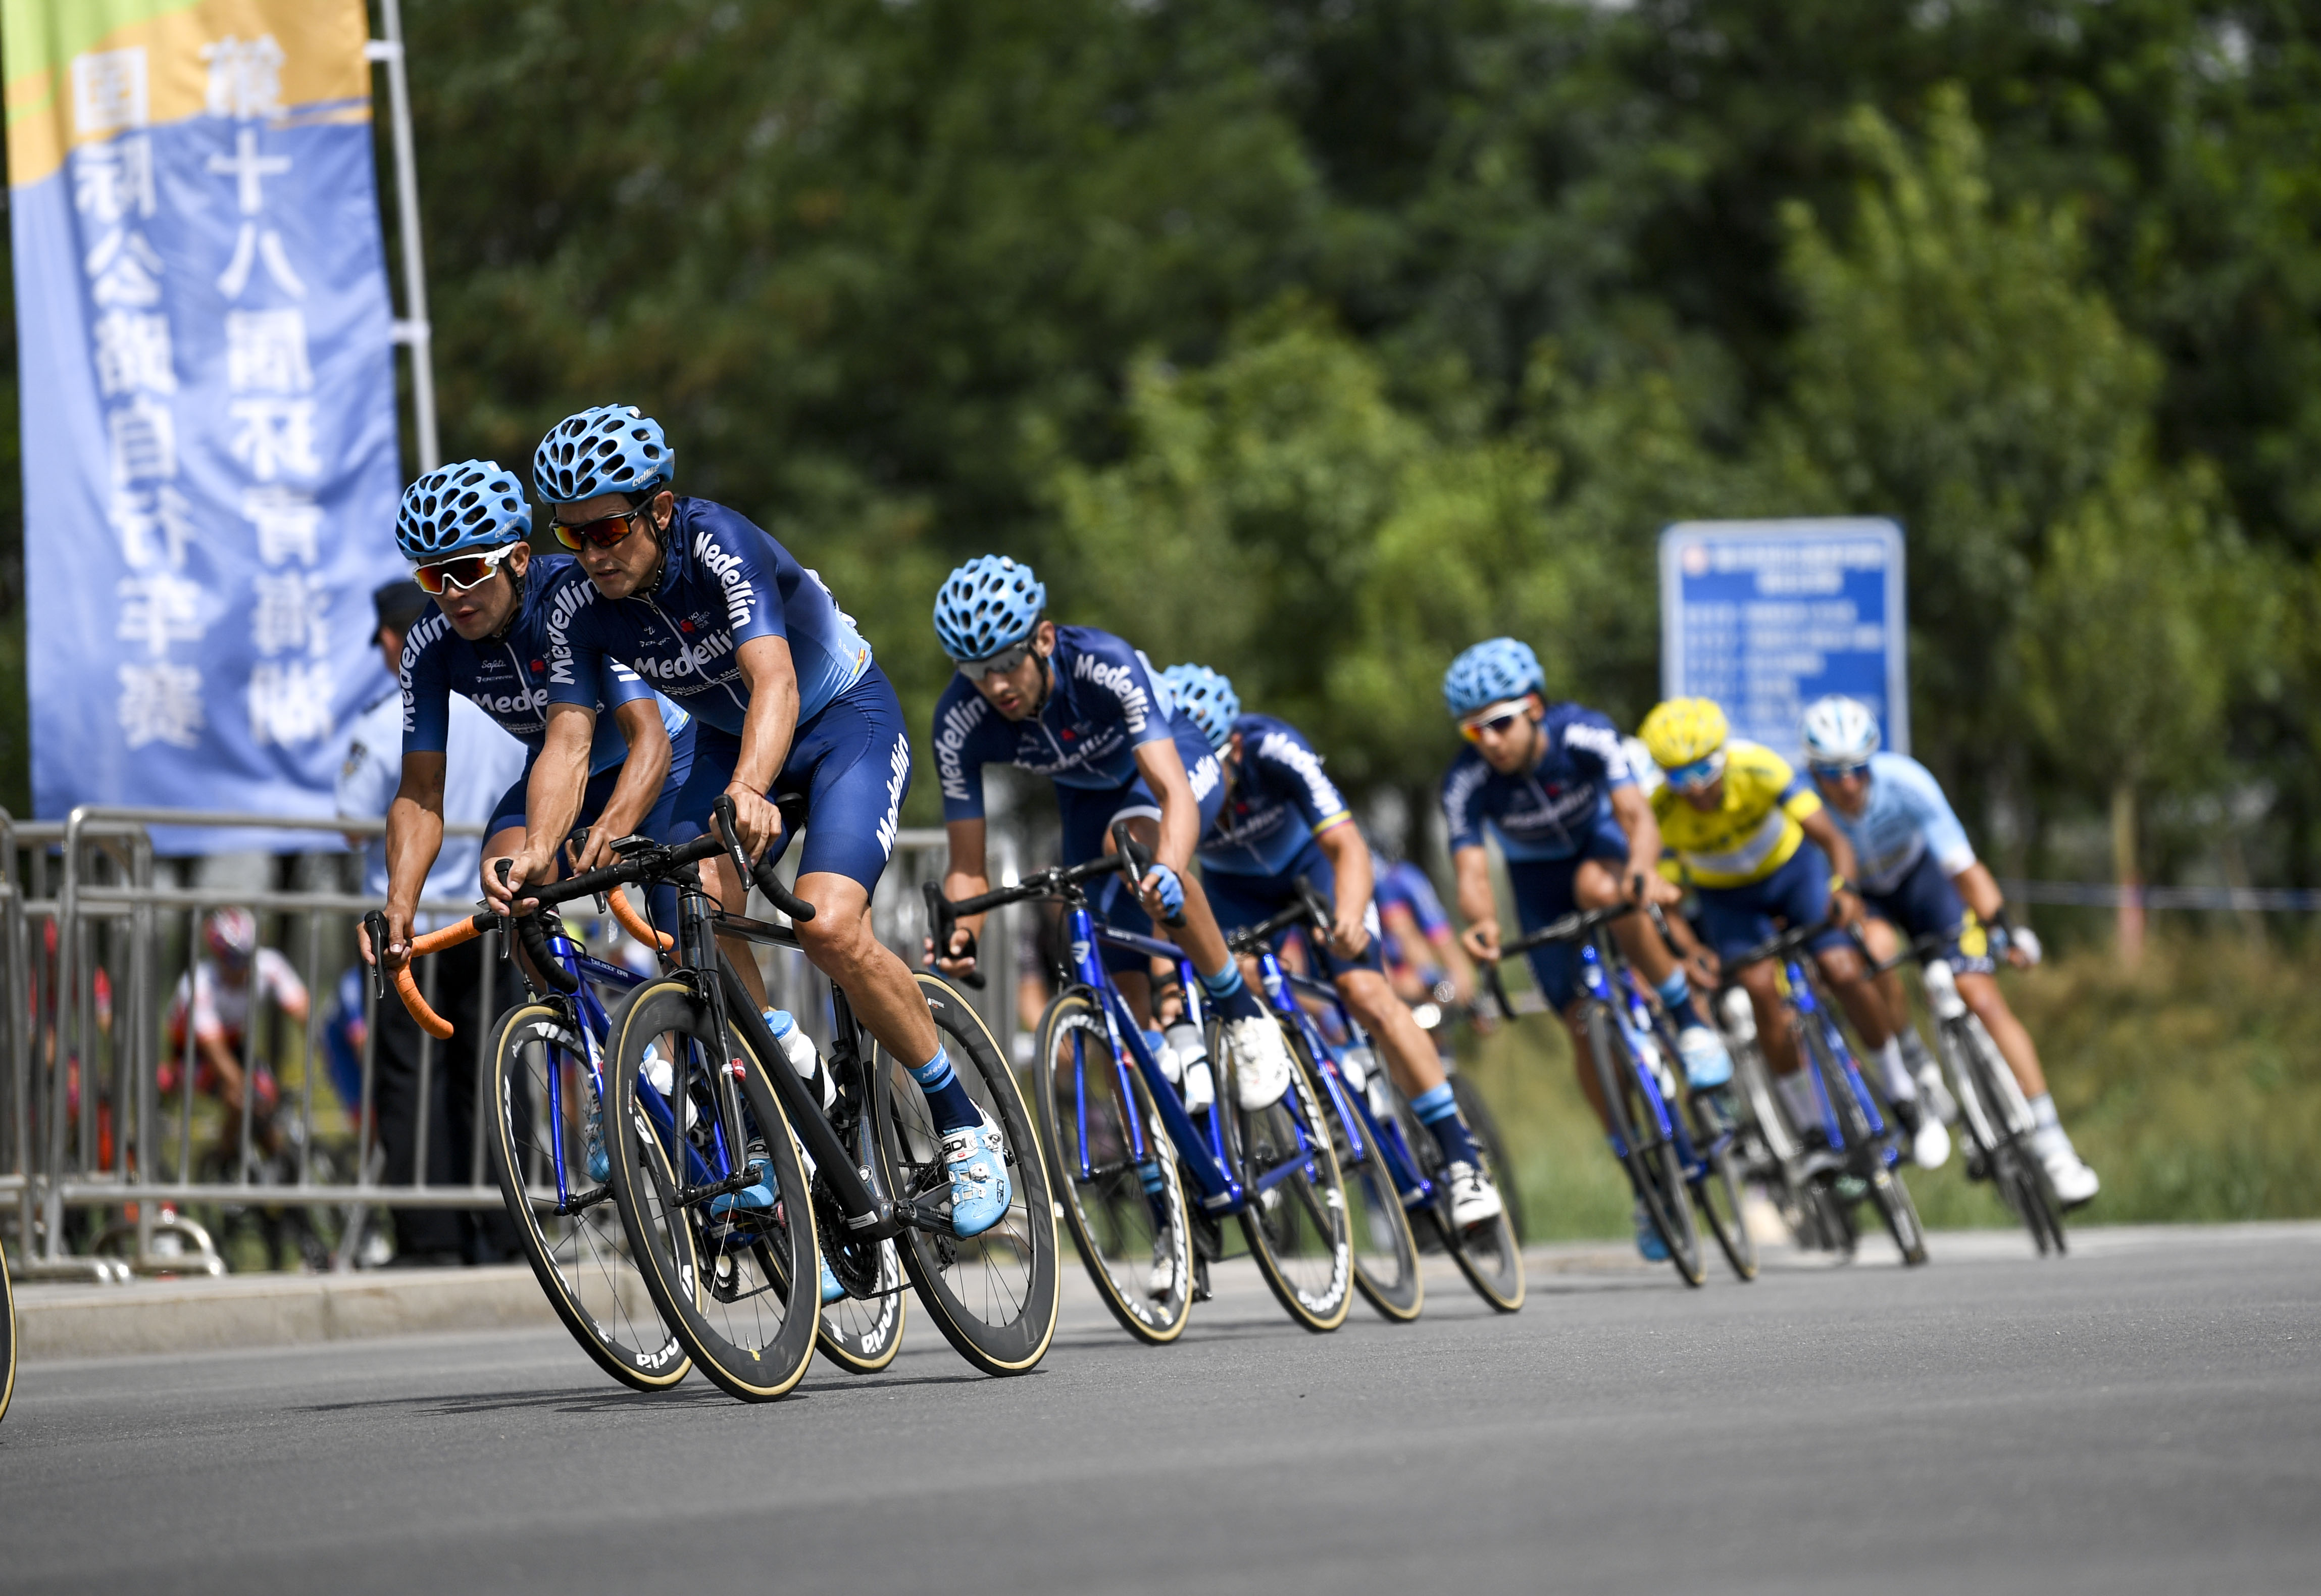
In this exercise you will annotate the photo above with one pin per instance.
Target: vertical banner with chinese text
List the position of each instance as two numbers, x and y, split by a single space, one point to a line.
208 398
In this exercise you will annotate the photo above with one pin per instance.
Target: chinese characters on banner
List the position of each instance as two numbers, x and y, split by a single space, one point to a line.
210 464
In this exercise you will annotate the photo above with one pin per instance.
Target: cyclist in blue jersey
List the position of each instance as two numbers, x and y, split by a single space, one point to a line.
1552 784
1919 877
486 639
785 700
1083 708
1282 819
1418 944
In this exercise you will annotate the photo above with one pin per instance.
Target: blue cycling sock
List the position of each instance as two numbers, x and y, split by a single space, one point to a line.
1155 1182
946 1099
1229 995
1675 994
1438 1111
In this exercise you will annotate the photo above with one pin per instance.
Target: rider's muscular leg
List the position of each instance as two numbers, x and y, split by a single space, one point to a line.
1981 994
732 895
1410 1056
1863 1004
1773 1033
874 978
1883 944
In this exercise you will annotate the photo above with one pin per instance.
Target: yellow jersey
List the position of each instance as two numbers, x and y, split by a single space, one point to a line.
1749 835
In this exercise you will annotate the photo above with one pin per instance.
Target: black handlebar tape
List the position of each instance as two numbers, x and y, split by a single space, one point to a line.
762 871
529 932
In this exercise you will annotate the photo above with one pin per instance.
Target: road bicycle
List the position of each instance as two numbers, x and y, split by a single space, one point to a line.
1121 1144
1392 1165
1859 1153
1678 1156
1438 1016
695 1115
1992 1109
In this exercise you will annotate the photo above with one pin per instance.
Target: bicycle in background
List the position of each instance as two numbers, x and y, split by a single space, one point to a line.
1391 1164
1121 1142
1853 1153
1678 1157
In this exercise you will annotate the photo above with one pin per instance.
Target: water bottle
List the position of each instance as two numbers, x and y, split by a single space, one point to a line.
799 1048
1740 1016
1192 1057
1355 1063
1941 990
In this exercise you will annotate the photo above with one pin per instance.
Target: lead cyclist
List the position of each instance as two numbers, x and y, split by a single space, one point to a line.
1919 876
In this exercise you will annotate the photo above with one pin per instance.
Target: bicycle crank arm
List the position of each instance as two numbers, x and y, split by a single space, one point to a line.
690 1197
867 1215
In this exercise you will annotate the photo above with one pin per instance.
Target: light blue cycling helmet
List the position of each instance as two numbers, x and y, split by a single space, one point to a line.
987 604
477 504
1492 672
612 449
1208 697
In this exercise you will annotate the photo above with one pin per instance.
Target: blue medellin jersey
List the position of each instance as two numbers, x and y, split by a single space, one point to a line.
506 676
1105 703
1907 816
1279 800
1549 811
724 582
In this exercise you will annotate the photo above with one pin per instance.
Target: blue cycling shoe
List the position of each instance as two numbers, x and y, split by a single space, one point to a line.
600 1164
831 1289
1648 1236
1705 1062
749 1199
976 1157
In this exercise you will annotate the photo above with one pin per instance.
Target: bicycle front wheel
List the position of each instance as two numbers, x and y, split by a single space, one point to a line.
1113 1171
1716 1195
1490 1254
1476 1110
2014 1169
1294 1214
7 1337
862 1331
1655 1168
994 1295
1386 1254
738 1288
543 1093
1867 1162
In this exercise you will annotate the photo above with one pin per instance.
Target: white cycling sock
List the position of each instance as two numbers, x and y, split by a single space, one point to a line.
2043 1112
1797 1097
1894 1074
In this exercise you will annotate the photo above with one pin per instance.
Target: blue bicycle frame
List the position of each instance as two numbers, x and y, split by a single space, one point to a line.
1200 1151
595 1027
1635 1019
1808 1006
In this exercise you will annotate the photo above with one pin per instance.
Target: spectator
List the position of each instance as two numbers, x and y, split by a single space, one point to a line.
217 999
481 762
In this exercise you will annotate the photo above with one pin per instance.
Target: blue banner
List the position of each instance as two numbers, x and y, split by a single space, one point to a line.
209 437
1765 616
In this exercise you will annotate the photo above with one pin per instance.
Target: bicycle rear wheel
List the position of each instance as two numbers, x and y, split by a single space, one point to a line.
1476 1110
1126 1214
993 1296
1295 1213
1866 1161
1655 1168
2014 1169
1716 1195
581 1258
738 1288
1490 1254
1386 1254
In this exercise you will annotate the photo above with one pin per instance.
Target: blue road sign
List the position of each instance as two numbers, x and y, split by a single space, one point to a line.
1765 616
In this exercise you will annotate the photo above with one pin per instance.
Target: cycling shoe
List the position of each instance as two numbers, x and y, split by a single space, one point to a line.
1474 1201
1930 1143
756 1198
1705 1062
975 1158
1260 1062
831 1289
2068 1175
1648 1236
599 1162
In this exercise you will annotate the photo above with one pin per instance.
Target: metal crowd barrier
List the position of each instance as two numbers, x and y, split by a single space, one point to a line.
103 1173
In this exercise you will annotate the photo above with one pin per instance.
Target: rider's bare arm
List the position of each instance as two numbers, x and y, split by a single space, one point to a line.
1471 868
414 835
642 775
1349 861
551 798
966 878
1846 906
766 728
1640 881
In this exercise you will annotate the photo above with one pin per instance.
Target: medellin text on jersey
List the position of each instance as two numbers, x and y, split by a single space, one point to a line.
506 676
725 583
1280 798
1549 811
1105 703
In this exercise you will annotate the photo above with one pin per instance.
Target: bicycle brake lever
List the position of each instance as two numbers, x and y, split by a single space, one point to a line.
375 932
1139 862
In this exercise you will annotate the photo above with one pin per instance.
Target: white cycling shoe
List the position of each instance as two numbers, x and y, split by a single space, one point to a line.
1707 1063
1474 1201
1163 1278
1260 1062
2067 1172
1935 1092
1930 1142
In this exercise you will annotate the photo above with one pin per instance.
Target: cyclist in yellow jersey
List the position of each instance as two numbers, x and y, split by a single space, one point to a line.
1764 854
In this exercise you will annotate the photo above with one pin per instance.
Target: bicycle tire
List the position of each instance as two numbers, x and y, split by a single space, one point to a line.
1377 1228
1771 1150
2016 1173
993 1296
7 1337
1656 1172
862 1334
1290 1135
1717 1195
739 1294
1489 1255
581 1260
1476 1110
1118 1224
1889 1192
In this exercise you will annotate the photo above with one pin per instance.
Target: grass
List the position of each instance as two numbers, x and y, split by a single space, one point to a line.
2193 1085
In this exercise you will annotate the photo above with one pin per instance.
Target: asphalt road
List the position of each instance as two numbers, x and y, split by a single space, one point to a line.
2142 1417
